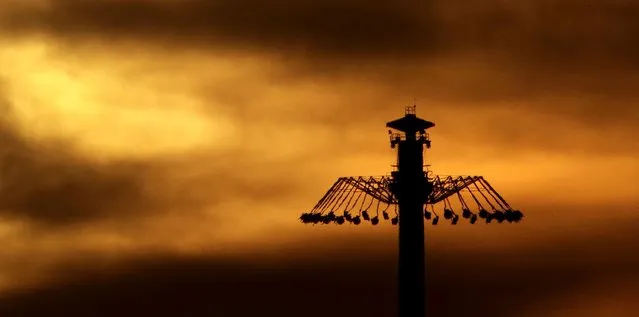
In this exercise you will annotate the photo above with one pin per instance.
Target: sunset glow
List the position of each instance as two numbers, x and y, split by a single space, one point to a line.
164 129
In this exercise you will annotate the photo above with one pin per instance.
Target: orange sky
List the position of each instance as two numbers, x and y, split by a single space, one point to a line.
133 128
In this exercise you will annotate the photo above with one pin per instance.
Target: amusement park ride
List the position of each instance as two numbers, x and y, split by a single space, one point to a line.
410 192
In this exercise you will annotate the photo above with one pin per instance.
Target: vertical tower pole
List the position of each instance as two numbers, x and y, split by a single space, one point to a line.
411 188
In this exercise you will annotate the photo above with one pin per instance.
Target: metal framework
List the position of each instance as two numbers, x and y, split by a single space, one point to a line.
406 197
361 198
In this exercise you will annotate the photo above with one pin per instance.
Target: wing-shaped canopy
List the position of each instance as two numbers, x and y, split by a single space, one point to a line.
352 199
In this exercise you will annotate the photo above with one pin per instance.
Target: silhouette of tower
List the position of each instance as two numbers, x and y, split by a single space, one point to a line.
411 188
413 193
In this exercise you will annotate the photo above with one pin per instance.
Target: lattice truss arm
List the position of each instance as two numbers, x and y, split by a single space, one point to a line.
357 199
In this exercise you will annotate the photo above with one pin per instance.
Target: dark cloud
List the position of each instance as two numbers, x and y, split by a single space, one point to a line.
325 26
334 283
559 33
49 182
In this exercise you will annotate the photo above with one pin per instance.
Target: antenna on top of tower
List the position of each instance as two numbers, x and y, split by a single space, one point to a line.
412 110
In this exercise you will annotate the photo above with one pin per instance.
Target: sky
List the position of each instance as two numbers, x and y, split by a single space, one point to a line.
156 154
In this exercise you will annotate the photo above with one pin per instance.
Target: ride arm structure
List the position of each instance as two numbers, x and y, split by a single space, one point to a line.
356 199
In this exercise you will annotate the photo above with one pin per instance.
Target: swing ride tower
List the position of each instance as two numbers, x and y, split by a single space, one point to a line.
411 188
413 193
